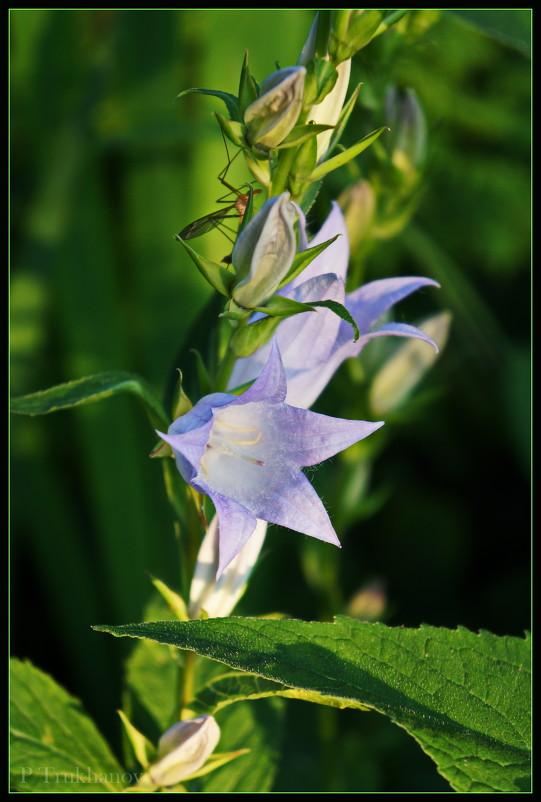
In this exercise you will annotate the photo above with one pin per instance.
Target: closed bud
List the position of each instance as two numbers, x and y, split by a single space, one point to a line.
264 252
218 597
183 749
407 141
272 116
358 203
351 30
400 374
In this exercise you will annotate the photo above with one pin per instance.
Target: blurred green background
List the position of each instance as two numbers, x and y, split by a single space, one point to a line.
106 167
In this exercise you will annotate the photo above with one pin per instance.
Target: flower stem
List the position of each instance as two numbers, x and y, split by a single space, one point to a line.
281 174
186 685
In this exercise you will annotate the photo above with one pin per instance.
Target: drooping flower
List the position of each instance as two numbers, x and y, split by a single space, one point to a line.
246 452
183 749
314 344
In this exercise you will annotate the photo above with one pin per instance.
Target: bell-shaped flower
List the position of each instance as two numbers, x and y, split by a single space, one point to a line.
183 749
264 252
271 117
246 452
314 344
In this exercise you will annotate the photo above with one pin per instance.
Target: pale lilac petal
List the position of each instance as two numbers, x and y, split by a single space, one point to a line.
335 257
298 507
189 448
401 330
304 340
271 385
368 303
236 525
311 438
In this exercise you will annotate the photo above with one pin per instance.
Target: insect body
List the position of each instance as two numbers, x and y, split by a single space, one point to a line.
215 219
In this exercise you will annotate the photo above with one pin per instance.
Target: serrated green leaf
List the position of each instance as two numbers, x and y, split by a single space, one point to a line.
232 687
216 275
55 746
88 390
347 155
464 697
230 100
303 259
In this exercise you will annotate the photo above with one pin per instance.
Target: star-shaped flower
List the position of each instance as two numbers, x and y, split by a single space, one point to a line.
246 452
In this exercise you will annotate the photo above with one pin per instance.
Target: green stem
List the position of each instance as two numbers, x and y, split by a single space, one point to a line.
281 174
186 684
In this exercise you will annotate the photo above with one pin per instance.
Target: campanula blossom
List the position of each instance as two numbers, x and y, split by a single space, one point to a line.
246 452
314 344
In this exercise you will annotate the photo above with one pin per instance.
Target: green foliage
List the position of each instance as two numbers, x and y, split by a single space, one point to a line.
88 390
55 746
464 697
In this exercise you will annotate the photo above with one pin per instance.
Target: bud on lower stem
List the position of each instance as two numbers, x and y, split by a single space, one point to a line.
183 749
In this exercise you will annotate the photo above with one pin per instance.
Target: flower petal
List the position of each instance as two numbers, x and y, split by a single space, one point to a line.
311 438
271 385
368 303
236 525
299 507
401 330
335 258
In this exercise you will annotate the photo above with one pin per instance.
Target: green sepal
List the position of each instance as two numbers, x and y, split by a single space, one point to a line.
343 119
203 378
279 306
303 259
230 100
247 88
247 340
342 312
181 403
259 168
233 130
160 450
305 161
144 751
328 166
351 30
174 601
215 761
216 275
301 133
321 77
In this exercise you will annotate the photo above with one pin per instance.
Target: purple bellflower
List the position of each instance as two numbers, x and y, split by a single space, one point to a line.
246 452
314 344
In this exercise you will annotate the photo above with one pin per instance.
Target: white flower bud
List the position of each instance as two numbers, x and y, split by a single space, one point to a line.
264 252
183 749
328 111
219 597
270 118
